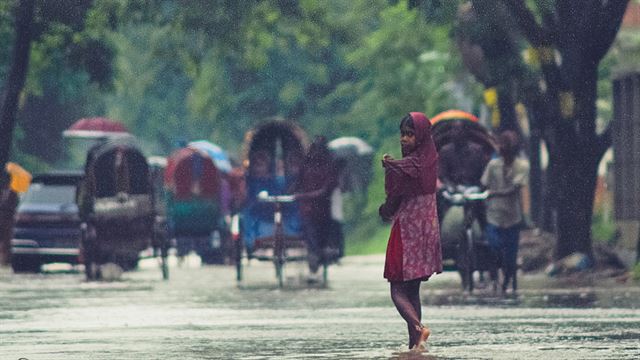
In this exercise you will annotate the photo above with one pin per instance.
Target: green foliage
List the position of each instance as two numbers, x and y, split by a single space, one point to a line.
151 87
636 272
400 73
6 36
175 69
67 59
603 230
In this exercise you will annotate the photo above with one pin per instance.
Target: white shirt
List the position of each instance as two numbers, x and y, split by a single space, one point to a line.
505 210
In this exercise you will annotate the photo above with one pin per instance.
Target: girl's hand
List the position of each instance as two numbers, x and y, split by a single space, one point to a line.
386 157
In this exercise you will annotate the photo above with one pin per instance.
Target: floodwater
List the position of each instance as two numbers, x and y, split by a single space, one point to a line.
201 313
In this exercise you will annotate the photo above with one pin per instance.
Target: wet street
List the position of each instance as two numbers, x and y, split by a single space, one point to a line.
200 313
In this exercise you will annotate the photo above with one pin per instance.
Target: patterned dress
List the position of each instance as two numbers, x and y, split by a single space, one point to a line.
414 251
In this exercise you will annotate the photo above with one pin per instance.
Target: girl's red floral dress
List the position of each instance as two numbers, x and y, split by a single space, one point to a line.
414 250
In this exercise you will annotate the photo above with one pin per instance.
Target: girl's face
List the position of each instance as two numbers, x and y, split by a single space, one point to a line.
407 139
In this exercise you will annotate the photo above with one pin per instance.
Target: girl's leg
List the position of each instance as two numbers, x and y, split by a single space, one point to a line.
413 288
400 294
414 297
414 294
512 236
406 298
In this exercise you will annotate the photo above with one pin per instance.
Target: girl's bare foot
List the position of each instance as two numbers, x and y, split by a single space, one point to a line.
421 344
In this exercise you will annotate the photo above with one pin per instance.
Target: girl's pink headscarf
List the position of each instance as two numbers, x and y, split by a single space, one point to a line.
416 173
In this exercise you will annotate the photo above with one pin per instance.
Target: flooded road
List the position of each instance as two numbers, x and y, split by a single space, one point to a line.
200 313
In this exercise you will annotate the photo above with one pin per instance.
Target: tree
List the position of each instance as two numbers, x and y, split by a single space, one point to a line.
571 40
16 77
213 70
568 40
63 58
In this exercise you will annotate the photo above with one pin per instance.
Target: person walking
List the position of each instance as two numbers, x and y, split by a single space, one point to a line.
8 205
414 252
504 177
318 178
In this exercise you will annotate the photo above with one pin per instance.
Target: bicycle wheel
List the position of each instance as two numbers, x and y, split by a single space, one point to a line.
87 247
238 248
238 258
325 274
469 260
164 257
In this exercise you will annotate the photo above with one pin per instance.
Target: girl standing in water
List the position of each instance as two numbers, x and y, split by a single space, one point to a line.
413 250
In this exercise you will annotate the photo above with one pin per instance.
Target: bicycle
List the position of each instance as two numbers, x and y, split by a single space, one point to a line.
468 197
279 242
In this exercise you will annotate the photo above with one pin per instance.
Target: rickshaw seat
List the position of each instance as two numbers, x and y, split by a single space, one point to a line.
123 207
295 248
289 242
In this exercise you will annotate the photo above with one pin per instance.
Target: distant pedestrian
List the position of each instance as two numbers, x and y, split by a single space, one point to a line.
504 178
413 251
318 178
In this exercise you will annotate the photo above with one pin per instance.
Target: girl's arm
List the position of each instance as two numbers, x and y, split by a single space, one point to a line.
331 182
389 208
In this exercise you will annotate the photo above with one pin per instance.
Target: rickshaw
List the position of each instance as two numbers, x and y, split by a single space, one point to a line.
462 233
268 227
194 208
117 207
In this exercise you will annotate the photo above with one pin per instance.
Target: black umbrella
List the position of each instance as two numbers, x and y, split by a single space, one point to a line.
357 156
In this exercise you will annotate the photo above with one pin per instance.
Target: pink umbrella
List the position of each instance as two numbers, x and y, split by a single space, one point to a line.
95 127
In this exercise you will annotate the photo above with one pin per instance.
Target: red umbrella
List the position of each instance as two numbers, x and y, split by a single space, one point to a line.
95 127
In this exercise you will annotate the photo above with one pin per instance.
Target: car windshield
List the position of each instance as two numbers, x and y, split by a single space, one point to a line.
50 194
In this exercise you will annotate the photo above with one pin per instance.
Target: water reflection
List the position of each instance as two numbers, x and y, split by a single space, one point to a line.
201 313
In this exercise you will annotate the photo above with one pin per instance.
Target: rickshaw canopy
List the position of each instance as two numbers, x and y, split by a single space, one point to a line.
191 173
453 115
274 136
444 122
118 165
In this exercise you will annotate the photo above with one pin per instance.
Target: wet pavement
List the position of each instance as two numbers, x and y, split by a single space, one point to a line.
201 313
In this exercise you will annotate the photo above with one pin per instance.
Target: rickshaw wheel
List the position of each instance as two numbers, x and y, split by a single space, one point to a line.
128 262
238 256
469 260
238 248
91 269
161 243
325 274
164 253
279 272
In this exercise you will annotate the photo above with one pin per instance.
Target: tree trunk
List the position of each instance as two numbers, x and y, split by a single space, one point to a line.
16 78
508 118
550 186
535 177
575 196
638 249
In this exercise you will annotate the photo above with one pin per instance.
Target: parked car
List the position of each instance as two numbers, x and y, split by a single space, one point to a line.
47 227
